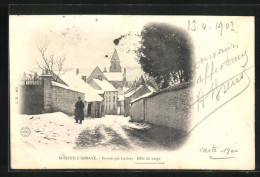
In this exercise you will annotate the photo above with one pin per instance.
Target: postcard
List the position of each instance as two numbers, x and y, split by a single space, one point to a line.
132 92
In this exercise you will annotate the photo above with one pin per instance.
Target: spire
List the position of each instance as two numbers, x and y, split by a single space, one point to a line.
115 56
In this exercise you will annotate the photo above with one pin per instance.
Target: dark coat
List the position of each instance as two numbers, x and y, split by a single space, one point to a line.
79 113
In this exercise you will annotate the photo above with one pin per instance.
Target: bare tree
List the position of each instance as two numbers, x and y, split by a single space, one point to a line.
48 62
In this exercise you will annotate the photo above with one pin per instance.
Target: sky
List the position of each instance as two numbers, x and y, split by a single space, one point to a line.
85 41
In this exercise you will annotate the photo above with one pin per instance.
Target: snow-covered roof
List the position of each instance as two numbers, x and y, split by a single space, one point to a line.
120 97
75 81
65 87
114 76
133 91
143 96
100 92
125 89
104 85
150 88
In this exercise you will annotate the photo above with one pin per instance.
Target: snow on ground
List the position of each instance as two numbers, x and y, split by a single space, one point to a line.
52 130
112 132
55 130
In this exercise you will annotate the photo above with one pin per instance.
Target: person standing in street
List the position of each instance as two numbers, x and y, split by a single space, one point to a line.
79 113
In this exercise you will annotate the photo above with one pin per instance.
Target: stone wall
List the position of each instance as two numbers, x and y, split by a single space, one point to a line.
64 100
137 110
143 90
169 108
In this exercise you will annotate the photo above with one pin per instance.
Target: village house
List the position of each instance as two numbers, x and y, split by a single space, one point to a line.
108 92
120 105
93 101
141 88
110 85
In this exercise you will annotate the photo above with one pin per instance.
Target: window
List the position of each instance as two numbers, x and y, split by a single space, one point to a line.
109 108
106 108
114 66
109 99
100 77
114 107
114 98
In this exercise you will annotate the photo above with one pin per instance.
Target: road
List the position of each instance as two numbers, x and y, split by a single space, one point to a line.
115 132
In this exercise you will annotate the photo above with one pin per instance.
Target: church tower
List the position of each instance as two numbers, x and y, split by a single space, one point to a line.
115 63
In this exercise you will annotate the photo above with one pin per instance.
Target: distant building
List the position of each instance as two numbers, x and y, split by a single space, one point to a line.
115 76
140 89
97 74
109 93
94 103
115 63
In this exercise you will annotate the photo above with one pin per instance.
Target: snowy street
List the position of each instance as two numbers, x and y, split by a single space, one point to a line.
112 132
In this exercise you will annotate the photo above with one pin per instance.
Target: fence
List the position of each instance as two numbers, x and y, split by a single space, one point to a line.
29 81
32 97
169 108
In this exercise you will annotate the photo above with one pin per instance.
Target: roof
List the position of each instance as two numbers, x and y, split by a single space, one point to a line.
115 56
114 76
57 77
150 88
125 89
104 85
120 97
65 87
143 96
176 87
92 74
75 81
133 91
129 94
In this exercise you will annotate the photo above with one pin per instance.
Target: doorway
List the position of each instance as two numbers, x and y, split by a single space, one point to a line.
89 110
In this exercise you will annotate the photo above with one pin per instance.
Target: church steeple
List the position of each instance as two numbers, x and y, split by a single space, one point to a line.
115 63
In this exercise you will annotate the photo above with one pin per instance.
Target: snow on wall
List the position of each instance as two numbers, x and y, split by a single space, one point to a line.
167 108
64 100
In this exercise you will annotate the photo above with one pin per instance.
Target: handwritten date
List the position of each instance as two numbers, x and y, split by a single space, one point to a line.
218 152
221 26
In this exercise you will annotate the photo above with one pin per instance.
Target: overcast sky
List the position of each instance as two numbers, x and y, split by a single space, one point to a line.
83 40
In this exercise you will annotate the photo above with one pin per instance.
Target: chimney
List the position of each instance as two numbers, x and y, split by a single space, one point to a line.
84 78
124 75
77 71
